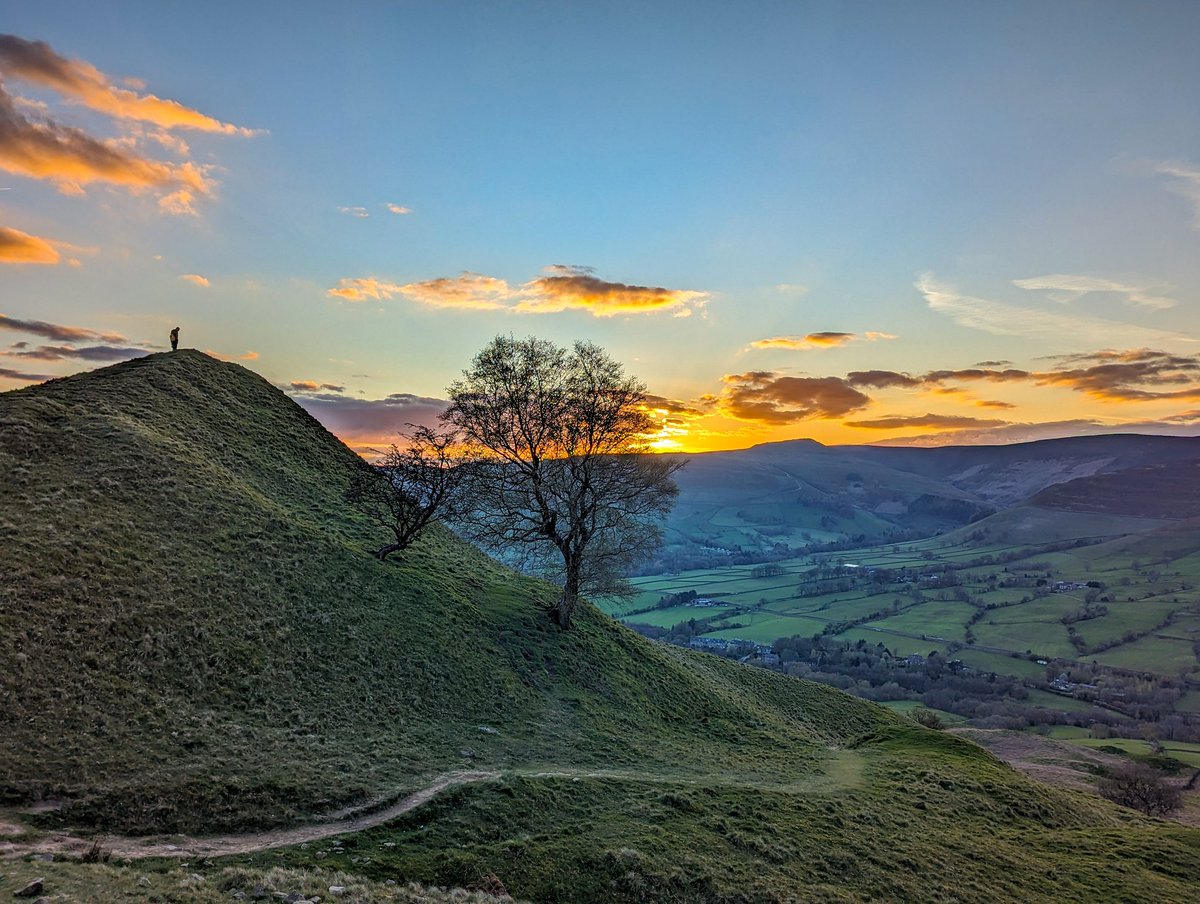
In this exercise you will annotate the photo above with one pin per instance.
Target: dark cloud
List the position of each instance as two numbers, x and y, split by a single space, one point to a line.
58 332
365 424
25 377
87 353
993 403
672 406
773 398
1121 376
1027 433
1010 375
881 379
947 421
313 386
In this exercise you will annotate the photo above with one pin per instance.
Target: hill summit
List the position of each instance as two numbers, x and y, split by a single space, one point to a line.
196 639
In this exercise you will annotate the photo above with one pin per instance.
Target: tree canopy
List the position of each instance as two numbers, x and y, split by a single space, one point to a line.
560 474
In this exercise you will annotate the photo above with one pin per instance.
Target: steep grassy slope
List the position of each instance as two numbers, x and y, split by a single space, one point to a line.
195 640
198 638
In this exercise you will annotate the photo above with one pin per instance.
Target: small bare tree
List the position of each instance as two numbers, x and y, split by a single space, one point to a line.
559 479
1138 786
410 486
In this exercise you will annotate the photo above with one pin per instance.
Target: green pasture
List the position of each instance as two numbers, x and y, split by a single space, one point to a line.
1001 664
1154 654
906 707
1179 750
1043 638
942 618
767 628
1057 702
1138 617
899 645
665 618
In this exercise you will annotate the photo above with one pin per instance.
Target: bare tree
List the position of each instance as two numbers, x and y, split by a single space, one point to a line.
1138 786
410 486
560 474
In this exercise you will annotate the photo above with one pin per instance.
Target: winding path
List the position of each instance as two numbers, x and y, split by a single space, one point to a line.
122 847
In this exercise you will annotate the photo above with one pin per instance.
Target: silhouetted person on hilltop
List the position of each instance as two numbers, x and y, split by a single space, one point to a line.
175 339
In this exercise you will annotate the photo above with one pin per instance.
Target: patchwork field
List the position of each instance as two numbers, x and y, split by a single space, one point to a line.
1078 587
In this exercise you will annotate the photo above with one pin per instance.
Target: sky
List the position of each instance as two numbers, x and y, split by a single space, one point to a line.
923 223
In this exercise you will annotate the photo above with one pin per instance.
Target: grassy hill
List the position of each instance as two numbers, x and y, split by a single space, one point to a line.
195 640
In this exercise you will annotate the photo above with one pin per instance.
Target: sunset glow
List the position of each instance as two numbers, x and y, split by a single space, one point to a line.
909 227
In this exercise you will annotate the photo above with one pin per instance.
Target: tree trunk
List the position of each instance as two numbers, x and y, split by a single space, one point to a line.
564 609
569 598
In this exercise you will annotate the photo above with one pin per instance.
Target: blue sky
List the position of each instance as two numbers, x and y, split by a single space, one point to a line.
904 188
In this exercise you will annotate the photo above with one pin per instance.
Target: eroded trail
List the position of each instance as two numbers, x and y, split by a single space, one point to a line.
122 847
841 770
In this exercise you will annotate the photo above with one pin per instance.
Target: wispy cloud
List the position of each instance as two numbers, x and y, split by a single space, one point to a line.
196 279
1185 181
937 421
1026 433
568 288
397 209
359 212
1068 287
58 332
1003 319
828 339
472 291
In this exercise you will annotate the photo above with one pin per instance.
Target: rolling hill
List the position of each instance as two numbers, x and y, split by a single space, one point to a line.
196 640
746 505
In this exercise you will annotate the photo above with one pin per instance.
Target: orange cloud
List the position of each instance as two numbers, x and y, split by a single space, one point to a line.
37 62
469 290
827 339
574 289
71 159
18 247
398 209
195 279
579 290
245 356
